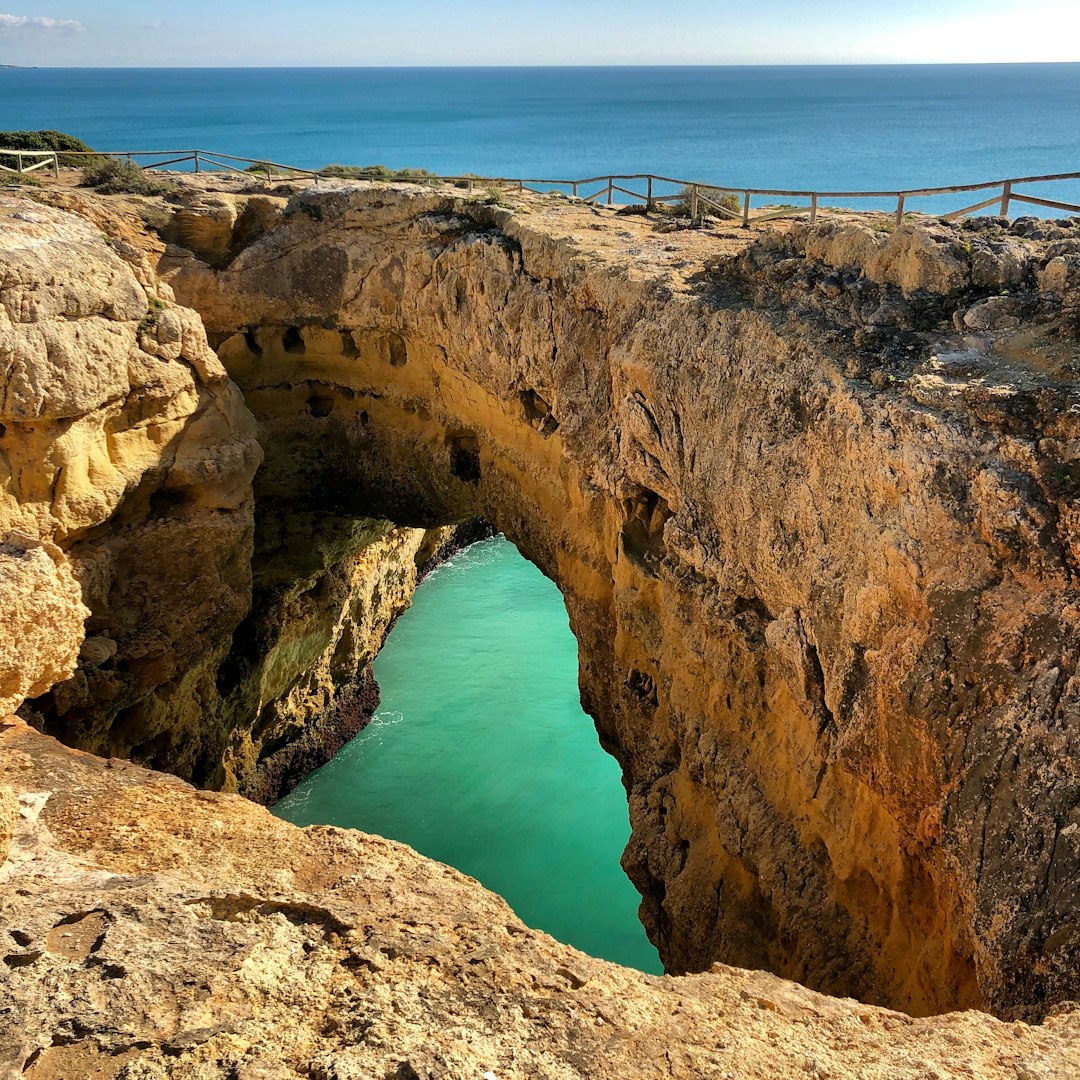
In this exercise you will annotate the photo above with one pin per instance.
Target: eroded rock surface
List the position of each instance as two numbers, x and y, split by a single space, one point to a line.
153 931
41 618
818 549
809 495
222 617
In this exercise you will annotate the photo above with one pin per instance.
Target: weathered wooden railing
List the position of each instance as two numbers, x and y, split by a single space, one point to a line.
727 201
45 159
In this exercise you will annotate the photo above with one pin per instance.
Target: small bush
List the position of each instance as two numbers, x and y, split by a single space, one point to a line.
727 199
155 218
114 176
148 323
19 179
41 140
263 168
376 172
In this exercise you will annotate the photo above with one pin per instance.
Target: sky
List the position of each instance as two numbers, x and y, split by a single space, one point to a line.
299 33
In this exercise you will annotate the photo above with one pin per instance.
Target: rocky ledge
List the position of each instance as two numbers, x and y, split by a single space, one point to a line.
153 931
809 493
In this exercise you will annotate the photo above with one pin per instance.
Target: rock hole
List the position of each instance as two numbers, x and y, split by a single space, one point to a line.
399 354
643 687
320 406
464 457
363 416
21 938
538 413
646 514
18 960
253 345
348 345
167 503
293 342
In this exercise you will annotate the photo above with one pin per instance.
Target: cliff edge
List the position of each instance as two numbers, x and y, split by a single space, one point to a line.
809 493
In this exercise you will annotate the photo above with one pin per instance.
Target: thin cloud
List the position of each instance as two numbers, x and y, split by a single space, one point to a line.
39 22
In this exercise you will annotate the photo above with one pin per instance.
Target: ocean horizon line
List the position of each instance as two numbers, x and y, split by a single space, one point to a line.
621 66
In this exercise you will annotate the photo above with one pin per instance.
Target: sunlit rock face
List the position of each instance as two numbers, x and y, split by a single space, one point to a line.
230 626
127 455
817 549
177 934
809 495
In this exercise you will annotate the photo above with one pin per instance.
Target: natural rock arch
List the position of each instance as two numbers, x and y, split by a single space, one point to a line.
769 567
824 600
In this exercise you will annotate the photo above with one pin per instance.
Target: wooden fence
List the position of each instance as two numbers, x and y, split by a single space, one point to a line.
726 201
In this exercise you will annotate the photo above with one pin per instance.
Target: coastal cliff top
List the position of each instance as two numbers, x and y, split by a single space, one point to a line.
272 951
987 300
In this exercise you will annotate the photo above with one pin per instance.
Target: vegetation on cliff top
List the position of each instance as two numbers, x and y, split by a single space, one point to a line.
114 176
41 140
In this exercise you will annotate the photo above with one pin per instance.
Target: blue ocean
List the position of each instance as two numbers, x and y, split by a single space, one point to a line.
822 128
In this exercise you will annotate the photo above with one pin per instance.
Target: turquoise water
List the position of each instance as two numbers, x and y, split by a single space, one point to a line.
829 128
481 757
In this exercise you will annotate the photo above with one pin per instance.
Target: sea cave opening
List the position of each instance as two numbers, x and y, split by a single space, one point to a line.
481 756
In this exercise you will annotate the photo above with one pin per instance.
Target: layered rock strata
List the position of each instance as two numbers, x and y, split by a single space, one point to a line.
810 497
222 617
155 932
817 546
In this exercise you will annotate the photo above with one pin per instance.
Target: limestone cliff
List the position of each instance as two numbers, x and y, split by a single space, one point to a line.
809 495
122 442
171 934
818 548
127 458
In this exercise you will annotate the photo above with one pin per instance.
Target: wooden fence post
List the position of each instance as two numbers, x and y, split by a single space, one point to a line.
693 203
746 211
196 160
610 190
573 188
1006 195
899 211
648 198
813 209
18 163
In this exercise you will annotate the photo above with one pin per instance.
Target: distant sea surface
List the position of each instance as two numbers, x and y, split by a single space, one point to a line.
824 128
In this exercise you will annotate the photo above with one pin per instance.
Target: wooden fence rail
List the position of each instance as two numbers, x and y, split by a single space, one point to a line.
720 199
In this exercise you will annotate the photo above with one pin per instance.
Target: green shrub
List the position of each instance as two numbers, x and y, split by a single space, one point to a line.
375 172
40 140
115 176
727 199
156 218
263 168
19 179
148 323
